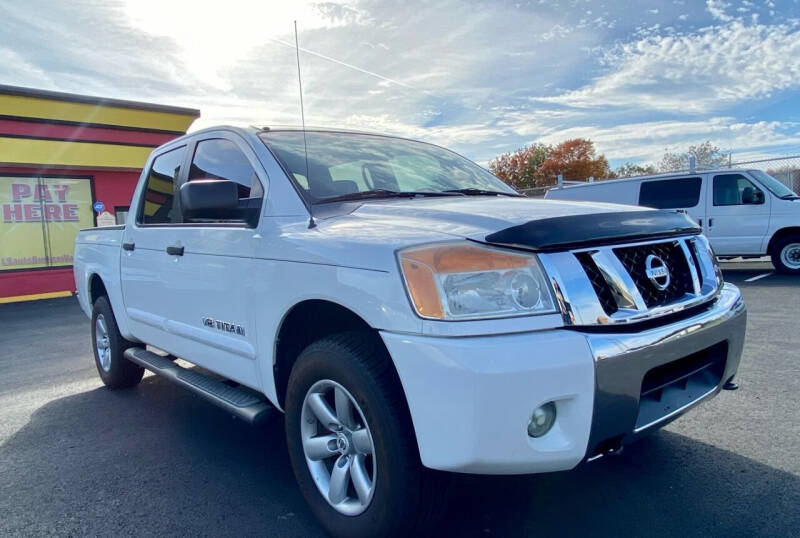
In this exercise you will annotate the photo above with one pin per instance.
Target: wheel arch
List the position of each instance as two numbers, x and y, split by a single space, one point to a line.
96 288
780 234
308 321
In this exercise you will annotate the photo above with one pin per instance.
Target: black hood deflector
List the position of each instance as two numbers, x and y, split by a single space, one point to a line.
580 231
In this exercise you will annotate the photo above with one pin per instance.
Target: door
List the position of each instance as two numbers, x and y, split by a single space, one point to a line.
738 214
194 301
144 262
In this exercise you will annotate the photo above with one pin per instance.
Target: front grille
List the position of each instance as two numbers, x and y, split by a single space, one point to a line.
680 282
693 251
617 285
599 283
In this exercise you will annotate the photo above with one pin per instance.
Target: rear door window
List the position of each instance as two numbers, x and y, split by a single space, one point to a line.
671 193
160 201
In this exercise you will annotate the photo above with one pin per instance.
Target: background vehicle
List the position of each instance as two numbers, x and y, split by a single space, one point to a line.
406 310
742 212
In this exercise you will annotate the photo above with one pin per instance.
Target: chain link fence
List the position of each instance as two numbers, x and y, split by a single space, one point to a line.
535 192
539 192
784 169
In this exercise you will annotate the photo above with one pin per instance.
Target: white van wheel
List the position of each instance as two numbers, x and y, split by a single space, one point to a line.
790 255
786 255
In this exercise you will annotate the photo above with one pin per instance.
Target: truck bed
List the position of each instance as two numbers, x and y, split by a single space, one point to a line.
97 251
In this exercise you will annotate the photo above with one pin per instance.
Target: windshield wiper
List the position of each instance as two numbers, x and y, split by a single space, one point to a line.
381 193
789 197
482 192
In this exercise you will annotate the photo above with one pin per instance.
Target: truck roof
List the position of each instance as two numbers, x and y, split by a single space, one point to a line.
254 130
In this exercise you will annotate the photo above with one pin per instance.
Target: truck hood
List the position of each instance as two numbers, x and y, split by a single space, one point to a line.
470 217
367 234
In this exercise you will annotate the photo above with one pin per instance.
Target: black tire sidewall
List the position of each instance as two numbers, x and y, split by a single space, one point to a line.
396 473
121 373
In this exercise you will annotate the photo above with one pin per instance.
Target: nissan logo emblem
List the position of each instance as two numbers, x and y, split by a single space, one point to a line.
657 271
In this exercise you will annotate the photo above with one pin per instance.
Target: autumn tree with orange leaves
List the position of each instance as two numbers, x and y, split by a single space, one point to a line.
539 164
519 168
576 160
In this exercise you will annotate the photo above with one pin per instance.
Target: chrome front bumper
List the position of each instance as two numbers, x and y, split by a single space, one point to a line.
471 398
626 361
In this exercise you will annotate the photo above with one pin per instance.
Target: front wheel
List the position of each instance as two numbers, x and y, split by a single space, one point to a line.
786 255
351 441
109 347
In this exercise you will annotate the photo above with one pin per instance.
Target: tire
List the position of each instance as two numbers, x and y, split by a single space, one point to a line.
108 345
404 495
785 255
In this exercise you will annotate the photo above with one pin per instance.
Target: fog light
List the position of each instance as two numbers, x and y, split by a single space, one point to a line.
542 419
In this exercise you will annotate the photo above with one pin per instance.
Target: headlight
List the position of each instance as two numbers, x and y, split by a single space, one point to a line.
466 281
714 262
717 268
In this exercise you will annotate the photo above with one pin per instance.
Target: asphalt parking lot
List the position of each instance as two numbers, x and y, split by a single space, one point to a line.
77 459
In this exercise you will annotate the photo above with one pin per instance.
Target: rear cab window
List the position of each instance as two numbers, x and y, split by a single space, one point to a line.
677 193
160 201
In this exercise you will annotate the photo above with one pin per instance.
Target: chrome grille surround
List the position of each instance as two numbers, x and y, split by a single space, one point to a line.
580 288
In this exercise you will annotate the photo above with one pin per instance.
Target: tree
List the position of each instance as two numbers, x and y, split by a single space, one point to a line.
518 168
707 154
630 170
575 159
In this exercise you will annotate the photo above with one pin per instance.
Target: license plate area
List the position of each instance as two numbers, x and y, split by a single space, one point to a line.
670 388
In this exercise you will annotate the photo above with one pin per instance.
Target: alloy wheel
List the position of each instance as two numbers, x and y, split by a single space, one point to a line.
102 343
338 447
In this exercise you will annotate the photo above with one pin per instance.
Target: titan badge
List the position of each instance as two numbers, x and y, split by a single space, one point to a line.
223 326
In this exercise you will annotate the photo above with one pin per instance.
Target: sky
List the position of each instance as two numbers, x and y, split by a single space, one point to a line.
638 78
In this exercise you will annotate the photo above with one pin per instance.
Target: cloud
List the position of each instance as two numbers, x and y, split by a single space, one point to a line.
476 77
647 141
717 9
708 70
19 71
209 38
81 48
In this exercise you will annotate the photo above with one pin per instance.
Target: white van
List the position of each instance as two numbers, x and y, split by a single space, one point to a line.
743 212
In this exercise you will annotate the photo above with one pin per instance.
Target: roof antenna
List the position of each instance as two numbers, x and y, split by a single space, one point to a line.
311 223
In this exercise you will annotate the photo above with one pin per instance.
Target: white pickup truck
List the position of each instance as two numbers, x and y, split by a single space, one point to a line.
406 310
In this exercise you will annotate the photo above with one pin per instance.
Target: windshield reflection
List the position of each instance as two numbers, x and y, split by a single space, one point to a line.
340 164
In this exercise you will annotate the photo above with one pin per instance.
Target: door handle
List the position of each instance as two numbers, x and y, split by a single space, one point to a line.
128 246
710 223
174 250
700 222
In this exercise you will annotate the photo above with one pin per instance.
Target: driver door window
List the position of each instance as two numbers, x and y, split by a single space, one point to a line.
735 189
219 158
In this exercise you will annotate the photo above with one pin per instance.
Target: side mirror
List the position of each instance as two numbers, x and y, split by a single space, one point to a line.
752 196
209 198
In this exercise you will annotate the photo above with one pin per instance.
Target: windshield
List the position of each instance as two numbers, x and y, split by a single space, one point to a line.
346 164
775 187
